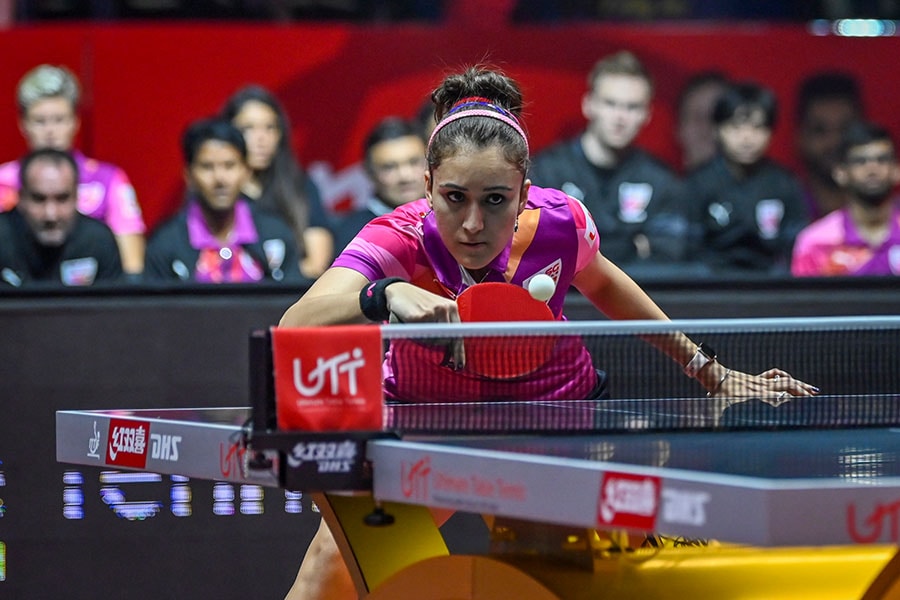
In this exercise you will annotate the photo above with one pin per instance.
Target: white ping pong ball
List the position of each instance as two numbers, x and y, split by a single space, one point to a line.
541 287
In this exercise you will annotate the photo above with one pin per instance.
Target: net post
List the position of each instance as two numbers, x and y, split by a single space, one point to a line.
262 381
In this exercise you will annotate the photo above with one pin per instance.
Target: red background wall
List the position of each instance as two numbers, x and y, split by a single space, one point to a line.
144 83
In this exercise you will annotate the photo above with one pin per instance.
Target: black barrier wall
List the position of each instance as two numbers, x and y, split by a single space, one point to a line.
75 532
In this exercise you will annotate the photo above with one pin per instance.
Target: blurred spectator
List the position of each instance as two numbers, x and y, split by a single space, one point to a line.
395 163
749 207
633 197
277 182
862 238
44 239
695 129
826 103
48 98
220 236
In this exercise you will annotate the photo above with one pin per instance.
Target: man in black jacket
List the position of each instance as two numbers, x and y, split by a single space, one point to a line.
220 236
395 164
748 207
44 240
632 195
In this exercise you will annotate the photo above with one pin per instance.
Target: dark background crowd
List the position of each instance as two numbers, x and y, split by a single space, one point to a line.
249 208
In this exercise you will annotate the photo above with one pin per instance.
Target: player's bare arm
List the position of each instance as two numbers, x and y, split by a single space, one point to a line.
332 300
615 294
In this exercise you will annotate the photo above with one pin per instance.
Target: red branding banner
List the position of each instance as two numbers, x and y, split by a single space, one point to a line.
328 378
127 443
628 501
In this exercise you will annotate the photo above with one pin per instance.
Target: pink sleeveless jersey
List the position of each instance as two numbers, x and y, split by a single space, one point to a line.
556 236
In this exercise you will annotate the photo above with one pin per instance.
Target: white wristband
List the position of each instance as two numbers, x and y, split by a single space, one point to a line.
702 357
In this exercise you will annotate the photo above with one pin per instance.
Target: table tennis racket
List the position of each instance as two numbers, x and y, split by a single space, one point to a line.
504 357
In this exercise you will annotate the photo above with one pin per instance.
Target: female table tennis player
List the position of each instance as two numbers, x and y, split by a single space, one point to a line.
482 221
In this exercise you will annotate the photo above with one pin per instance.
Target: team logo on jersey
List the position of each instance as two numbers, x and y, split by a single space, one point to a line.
78 271
90 196
275 250
553 270
768 217
894 259
633 201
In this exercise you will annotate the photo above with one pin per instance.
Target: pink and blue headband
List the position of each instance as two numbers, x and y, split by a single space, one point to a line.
493 112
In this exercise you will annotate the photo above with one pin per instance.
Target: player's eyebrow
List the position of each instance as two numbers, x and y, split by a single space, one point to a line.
490 188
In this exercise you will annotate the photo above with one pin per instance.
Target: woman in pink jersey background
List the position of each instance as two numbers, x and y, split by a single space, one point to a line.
481 220
48 98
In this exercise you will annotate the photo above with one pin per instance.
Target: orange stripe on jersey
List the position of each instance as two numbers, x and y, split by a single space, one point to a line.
528 224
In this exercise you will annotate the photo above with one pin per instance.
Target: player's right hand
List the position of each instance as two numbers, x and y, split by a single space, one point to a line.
411 304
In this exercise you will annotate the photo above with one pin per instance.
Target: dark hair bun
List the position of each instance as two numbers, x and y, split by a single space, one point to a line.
477 81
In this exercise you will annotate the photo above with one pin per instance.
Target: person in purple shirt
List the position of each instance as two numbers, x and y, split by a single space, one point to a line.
862 238
221 236
48 99
482 220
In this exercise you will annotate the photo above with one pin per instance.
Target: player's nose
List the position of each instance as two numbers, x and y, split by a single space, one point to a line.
474 220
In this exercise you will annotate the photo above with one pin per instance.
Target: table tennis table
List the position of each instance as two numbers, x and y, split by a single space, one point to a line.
814 508
626 498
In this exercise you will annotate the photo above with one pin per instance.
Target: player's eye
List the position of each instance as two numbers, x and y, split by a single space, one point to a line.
455 197
495 199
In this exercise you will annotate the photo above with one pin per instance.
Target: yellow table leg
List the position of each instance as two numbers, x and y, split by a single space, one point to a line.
374 553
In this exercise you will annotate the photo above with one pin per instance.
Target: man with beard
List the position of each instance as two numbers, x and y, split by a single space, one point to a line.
220 236
863 238
44 240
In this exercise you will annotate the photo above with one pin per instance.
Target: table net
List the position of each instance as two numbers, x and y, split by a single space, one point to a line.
542 377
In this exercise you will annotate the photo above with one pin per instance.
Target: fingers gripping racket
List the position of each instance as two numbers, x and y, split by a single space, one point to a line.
504 357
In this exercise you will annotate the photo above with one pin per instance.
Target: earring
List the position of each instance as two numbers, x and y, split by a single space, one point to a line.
516 227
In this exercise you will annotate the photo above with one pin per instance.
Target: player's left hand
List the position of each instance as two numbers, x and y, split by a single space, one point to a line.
774 386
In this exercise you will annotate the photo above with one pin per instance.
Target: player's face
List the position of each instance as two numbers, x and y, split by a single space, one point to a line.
259 124
50 123
819 134
48 201
397 169
870 172
744 141
617 108
217 175
476 197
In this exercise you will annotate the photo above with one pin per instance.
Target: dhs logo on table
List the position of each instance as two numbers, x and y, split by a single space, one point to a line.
130 443
328 378
127 443
331 457
628 500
